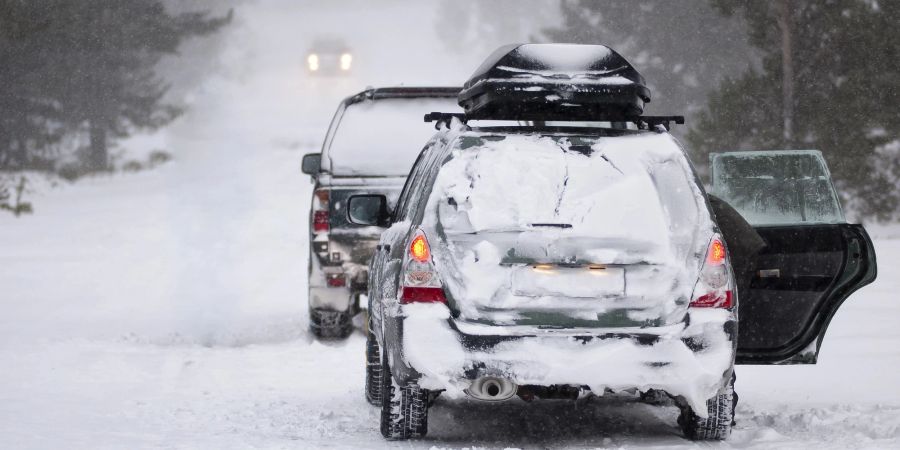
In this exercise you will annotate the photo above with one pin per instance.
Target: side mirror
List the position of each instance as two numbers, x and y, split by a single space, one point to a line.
311 163
368 209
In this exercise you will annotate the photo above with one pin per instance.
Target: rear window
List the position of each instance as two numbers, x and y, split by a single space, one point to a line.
628 188
383 137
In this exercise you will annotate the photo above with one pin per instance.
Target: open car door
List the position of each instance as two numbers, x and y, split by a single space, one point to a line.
813 259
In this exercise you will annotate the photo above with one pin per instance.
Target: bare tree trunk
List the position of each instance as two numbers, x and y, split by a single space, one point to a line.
98 158
787 70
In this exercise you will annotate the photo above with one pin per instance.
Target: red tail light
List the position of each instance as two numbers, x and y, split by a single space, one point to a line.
713 300
336 280
714 287
421 283
422 295
321 220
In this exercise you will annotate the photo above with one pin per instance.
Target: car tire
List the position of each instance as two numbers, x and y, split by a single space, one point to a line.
327 324
404 409
715 427
374 370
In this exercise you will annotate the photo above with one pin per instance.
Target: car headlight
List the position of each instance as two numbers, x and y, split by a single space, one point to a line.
346 60
313 62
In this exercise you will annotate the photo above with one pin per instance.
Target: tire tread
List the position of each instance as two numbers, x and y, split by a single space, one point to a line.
404 409
715 427
374 371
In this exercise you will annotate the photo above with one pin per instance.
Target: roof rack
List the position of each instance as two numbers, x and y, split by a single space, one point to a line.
642 122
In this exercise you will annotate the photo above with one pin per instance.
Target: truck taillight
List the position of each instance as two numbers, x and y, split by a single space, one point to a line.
421 283
714 288
321 221
336 280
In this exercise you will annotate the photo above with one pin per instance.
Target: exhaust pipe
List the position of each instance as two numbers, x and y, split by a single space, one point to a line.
492 389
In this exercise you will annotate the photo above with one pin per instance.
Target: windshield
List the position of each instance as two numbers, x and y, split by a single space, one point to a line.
383 137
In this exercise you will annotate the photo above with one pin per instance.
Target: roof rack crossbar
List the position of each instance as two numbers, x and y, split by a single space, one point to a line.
642 122
444 118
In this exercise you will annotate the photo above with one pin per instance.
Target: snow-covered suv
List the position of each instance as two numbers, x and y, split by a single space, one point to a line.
545 261
534 261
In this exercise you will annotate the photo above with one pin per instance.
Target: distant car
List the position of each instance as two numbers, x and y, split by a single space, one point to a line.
546 260
329 57
371 143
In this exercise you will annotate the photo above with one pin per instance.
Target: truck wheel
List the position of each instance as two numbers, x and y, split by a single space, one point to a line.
717 426
404 409
373 370
326 324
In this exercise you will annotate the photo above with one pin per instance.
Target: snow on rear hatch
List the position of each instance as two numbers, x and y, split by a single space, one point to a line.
569 230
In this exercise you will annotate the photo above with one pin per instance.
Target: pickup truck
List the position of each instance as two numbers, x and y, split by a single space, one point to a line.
370 146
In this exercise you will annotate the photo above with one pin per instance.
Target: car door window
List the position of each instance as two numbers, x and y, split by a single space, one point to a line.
812 261
776 187
402 210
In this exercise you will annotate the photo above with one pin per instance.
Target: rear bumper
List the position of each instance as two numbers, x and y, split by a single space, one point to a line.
689 360
339 297
329 298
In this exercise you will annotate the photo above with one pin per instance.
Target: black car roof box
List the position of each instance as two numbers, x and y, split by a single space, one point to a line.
554 82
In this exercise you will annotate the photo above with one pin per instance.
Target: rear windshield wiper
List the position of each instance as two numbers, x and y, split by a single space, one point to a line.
554 225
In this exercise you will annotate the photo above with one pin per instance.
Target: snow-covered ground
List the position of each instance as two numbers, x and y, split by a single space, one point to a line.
166 309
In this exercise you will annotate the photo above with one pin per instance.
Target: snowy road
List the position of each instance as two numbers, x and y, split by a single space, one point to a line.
264 383
166 309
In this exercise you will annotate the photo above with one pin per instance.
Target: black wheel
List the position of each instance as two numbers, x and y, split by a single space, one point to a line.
715 427
404 409
373 370
326 324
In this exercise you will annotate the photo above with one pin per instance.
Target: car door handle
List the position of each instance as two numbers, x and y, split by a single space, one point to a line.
770 273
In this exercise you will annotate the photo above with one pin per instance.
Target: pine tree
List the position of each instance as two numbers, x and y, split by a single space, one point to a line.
29 116
830 80
93 63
